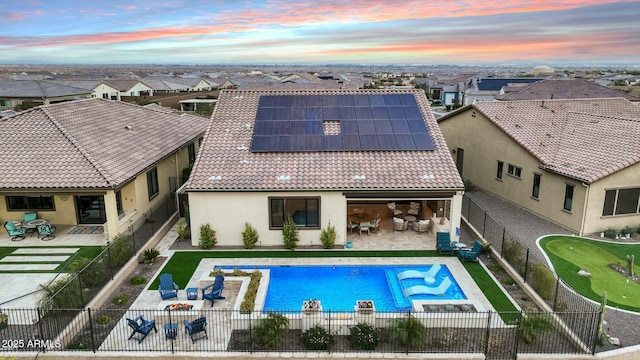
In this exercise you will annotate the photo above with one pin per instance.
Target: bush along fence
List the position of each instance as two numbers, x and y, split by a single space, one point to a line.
451 329
88 276
532 269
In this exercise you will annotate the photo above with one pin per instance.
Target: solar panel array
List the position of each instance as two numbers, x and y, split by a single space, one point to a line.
294 123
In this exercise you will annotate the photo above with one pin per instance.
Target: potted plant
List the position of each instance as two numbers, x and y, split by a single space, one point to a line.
311 306
365 306
4 320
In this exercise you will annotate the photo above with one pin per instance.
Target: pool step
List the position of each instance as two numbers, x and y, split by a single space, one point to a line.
396 290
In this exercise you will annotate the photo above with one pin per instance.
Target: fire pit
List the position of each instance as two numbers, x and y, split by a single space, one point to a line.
179 306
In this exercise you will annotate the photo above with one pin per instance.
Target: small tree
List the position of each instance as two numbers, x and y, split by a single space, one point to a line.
532 324
290 233
207 237
249 236
409 332
272 330
328 236
542 280
182 230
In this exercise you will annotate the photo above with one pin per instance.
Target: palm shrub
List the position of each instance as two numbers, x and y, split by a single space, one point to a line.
542 280
249 236
364 337
317 338
272 330
290 234
328 236
532 324
207 237
409 332
151 254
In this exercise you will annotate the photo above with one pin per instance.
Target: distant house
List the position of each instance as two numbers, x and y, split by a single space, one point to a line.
14 93
130 87
487 89
312 153
98 88
574 162
93 161
563 89
219 83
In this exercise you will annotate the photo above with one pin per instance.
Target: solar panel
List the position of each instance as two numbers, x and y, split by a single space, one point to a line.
286 123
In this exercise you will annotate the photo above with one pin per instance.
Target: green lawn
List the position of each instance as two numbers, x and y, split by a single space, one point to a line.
84 251
183 264
569 254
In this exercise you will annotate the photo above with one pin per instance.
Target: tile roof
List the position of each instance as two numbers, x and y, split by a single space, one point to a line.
564 89
37 89
578 138
85 144
226 162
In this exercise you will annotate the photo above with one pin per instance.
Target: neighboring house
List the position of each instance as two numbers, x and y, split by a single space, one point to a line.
130 87
160 85
190 83
93 161
487 89
309 154
564 89
98 88
574 162
219 83
13 93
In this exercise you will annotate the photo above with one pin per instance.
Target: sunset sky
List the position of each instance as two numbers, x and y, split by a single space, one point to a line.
320 32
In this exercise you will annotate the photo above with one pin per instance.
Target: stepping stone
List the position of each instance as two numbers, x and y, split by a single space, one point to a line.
27 267
46 251
32 259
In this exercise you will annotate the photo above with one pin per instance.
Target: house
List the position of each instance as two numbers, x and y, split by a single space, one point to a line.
98 88
487 89
15 94
564 89
129 87
572 161
310 154
93 161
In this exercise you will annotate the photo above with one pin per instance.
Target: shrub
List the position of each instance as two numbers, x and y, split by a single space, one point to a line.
120 299
495 267
317 338
103 320
328 237
272 330
512 252
207 237
445 337
542 280
507 281
120 250
249 236
138 280
364 337
91 273
151 254
469 185
290 234
409 332
62 294
628 230
610 233
532 324
249 301
182 231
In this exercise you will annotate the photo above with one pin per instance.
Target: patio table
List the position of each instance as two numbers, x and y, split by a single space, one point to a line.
170 330
33 224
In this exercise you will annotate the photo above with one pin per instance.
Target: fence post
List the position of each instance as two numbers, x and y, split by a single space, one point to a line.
250 331
515 345
407 329
109 259
488 334
80 288
484 223
170 329
555 297
42 335
133 238
504 232
526 266
93 342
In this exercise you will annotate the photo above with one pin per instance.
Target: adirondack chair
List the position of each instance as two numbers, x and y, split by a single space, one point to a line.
142 327
443 243
168 289
196 327
471 255
216 290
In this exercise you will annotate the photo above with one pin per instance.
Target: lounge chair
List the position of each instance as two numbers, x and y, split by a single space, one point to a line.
196 327
400 224
142 327
471 255
168 289
16 233
429 275
216 290
443 243
428 290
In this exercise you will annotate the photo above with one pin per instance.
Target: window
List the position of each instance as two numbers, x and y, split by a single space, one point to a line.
514 171
304 211
119 203
6 103
535 192
105 96
621 202
568 197
152 183
42 202
500 167
192 153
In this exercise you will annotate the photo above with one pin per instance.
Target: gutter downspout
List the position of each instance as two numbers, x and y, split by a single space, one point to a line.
584 209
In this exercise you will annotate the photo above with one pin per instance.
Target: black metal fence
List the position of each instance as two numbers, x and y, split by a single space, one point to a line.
76 290
454 331
558 294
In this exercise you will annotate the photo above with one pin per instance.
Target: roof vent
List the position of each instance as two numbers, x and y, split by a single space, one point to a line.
128 128
359 177
215 177
284 177
428 176
242 147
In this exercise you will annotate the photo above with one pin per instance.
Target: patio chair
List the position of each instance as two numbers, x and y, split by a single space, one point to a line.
414 209
168 289
471 255
443 243
196 327
400 224
375 224
16 233
142 327
421 225
29 216
364 226
46 231
393 211
216 290
352 225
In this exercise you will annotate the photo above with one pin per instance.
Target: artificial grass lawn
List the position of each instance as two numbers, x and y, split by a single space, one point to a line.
83 251
569 254
507 310
183 264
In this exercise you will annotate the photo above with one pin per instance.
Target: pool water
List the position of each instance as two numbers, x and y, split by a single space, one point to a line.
339 287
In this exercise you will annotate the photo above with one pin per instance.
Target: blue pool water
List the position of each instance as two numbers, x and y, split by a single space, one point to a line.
338 287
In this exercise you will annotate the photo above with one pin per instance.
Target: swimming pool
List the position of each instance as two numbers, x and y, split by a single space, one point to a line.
338 287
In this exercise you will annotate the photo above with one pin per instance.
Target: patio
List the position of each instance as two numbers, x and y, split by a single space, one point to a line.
65 235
